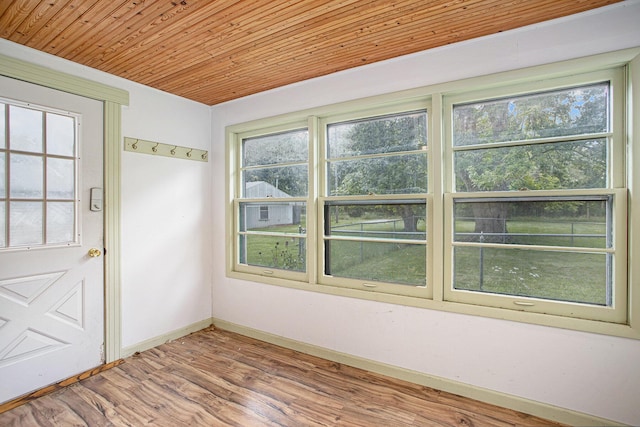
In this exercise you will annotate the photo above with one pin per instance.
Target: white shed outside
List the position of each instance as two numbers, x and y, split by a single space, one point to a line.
266 214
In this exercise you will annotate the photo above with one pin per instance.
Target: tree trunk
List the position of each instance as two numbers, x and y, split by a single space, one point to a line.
491 221
409 219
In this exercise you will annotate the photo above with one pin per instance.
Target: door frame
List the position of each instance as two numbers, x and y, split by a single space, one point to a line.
113 99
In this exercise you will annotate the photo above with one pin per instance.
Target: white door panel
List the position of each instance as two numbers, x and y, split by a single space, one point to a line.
51 295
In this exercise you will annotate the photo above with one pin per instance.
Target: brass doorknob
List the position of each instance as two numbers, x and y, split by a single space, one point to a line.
94 252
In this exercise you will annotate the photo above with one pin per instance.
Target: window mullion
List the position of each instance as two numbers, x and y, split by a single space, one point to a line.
438 184
315 180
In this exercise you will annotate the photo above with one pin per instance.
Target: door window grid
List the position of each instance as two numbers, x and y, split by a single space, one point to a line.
38 200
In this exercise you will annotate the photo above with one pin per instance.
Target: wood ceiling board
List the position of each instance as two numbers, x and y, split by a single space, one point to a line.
216 51
65 17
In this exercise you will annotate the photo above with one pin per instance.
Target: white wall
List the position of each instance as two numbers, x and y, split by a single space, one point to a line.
589 373
166 209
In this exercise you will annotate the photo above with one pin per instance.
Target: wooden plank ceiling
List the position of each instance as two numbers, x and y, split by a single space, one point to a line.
216 51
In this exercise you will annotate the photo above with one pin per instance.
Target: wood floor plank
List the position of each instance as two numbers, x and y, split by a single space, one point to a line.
51 412
20 416
85 412
218 378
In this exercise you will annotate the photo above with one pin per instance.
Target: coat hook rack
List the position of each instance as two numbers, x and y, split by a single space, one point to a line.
168 150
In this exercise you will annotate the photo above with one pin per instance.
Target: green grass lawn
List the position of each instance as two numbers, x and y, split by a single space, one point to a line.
285 252
385 262
553 275
542 274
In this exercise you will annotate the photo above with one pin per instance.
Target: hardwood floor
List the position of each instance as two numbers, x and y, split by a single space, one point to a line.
218 378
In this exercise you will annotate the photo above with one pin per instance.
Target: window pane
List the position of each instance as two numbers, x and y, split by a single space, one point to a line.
576 111
25 129
60 178
288 181
26 176
388 134
25 223
281 252
579 164
60 222
287 248
379 220
393 262
403 264
282 217
404 174
274 149
60 135
3 126
563 276
545 222
264 213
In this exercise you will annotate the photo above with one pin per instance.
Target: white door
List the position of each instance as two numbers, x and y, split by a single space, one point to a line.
51 287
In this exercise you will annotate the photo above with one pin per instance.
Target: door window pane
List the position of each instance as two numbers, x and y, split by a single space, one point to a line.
26 176
25 223
60 222
60 135
25 129
60 178
29 164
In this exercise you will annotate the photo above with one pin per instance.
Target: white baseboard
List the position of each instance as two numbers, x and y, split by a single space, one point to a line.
504 400
156 341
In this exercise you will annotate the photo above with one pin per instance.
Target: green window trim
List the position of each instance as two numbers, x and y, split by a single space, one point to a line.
617 317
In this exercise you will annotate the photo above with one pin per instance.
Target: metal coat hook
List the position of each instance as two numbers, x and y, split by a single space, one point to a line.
166 150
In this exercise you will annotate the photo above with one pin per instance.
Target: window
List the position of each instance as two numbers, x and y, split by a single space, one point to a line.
534 201
37 177
509 201
264 213
374 211
272 206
